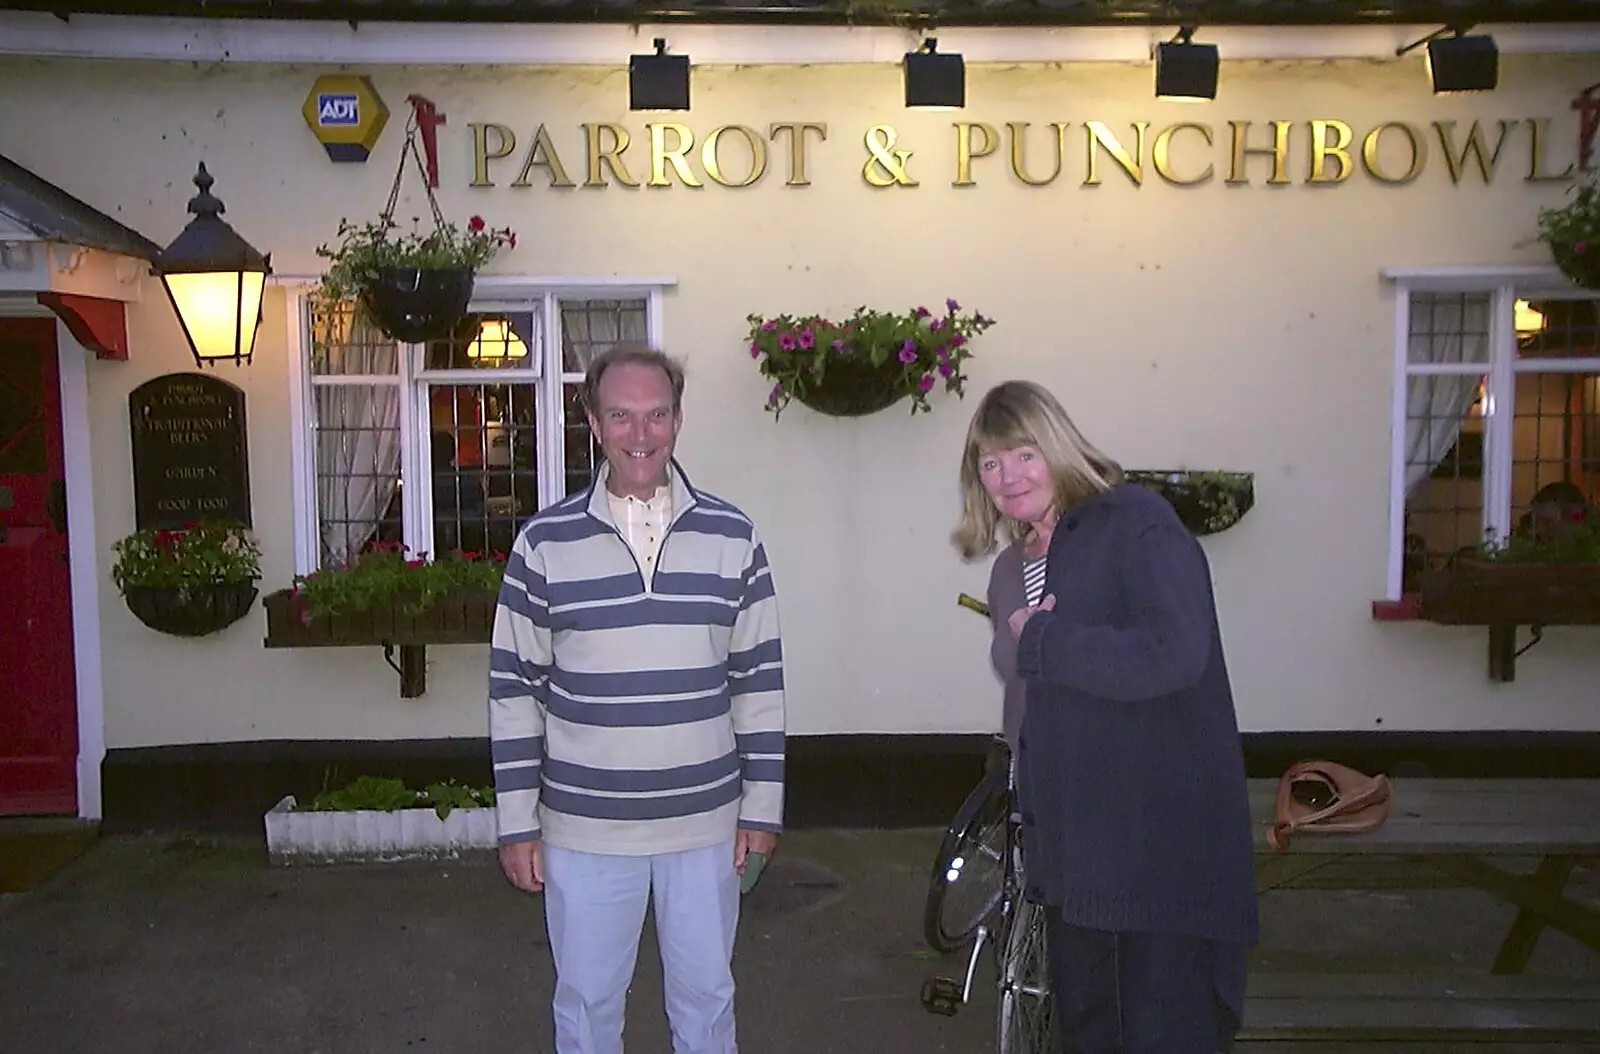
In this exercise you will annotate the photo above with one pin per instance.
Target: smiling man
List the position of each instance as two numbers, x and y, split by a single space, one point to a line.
636 717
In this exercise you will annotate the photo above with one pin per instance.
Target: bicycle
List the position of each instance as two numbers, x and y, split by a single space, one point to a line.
983 838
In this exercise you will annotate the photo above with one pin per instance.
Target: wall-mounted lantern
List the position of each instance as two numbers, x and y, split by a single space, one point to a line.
214 279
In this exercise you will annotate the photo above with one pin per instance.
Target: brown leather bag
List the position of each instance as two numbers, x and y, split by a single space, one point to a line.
1326 797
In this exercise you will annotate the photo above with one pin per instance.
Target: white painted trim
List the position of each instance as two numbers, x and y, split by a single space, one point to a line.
1398 401
496 290
238 41
83 558
302 480
1500 415
550 415
1481 278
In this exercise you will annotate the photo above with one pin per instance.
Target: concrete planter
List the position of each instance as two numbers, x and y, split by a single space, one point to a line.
365 836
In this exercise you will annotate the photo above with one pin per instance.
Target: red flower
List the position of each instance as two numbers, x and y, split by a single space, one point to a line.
476 224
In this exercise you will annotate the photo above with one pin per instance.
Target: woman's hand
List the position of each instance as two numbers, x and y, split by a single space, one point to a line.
1020 617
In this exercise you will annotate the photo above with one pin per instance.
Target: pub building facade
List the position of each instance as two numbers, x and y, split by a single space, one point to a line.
1326 279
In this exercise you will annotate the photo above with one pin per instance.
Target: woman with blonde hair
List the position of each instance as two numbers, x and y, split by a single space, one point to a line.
1130 773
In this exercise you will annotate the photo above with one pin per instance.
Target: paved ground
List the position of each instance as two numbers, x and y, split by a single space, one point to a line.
164 945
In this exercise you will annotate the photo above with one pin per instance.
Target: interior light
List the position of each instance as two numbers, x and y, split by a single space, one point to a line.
496 341
1528 320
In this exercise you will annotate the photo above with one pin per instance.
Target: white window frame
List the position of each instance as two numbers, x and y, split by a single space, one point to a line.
1505 285
490 293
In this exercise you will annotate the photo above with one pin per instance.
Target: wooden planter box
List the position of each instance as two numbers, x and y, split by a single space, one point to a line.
367 835
466 618
1503 596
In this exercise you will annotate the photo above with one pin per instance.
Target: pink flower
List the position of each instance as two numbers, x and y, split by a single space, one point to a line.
952 306
773 396
925 383
839 346
922 312
936 324
908 351
769 325
755 350
1580 247
945 368
786 341
807 341
476 224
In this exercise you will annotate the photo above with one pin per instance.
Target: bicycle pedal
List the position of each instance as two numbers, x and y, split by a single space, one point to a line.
941 995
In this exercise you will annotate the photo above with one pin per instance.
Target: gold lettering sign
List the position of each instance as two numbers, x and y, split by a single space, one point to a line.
1322 151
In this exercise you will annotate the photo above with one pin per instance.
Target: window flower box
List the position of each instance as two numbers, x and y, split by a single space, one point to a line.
456 618
1549 576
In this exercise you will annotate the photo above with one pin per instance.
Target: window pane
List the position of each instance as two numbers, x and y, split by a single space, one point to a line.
1558 329
1449 327
1555 449
581 451
358 469
484 473
1444 471
589 327
344 341
489 341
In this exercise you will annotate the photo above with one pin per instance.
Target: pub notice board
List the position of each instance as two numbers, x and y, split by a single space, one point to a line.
190 457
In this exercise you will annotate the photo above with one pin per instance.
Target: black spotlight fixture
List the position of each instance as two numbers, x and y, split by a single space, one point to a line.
659 81
1459 63
935 80
1186 71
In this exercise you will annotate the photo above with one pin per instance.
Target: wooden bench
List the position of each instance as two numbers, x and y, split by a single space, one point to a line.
1309 1011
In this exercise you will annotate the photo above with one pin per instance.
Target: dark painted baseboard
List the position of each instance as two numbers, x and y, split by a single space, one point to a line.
866 781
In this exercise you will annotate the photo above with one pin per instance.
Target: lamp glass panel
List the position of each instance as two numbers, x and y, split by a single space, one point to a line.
219 310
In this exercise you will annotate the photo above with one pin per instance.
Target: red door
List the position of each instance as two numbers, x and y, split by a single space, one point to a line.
38 699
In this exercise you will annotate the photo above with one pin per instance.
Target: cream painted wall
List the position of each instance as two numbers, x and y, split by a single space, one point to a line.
1211 327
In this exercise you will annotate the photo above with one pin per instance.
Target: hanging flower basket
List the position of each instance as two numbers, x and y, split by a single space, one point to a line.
1206 502
415 304
1573 233
189 582
866 363
1583 267
853 389
415 285
194 611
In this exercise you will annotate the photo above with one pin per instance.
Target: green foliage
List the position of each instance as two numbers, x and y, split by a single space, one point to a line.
383 794
919 346
1576 542
364 249
386 576
199 554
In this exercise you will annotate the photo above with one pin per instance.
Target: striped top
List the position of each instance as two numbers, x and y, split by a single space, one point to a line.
1033 579
629 713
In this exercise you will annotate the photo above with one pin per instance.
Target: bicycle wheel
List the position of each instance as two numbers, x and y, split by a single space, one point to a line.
1026 1025
969 869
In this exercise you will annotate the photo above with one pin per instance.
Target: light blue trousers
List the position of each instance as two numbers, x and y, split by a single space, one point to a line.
594 910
